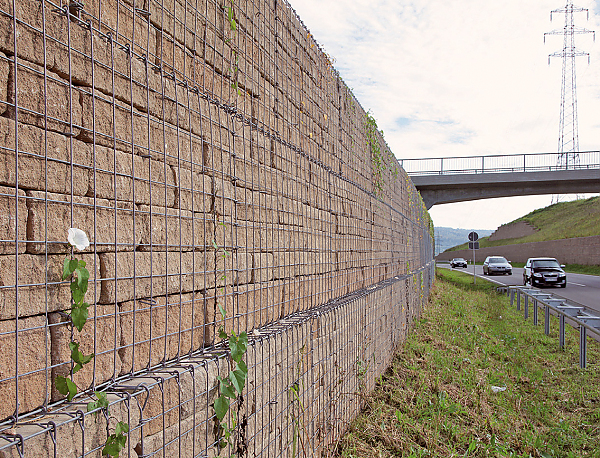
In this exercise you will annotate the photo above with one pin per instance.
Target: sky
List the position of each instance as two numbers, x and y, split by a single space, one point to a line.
462 78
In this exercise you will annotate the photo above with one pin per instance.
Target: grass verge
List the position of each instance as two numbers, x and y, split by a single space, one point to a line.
474 379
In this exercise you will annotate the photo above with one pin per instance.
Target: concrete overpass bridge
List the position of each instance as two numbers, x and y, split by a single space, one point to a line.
458 179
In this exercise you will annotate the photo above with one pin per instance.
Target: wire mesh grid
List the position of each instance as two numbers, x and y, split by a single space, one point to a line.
214 158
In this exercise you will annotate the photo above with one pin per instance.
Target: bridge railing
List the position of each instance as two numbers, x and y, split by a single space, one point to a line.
529 162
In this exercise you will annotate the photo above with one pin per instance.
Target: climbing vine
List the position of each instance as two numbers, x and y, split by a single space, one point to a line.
381 157
231 388
75 270
234 67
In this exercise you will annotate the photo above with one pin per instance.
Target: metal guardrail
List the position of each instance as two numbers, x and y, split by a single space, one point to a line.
579 315
529 162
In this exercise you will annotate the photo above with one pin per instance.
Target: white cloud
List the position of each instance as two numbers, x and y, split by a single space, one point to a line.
460 78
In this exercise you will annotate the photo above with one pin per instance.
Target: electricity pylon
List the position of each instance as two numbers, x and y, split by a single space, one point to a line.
568 133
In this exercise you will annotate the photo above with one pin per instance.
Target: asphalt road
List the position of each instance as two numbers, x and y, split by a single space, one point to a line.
584 289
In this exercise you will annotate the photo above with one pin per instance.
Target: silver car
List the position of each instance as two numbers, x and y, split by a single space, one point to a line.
496 265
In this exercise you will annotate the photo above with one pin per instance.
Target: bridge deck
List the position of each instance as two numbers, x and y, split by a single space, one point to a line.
442 180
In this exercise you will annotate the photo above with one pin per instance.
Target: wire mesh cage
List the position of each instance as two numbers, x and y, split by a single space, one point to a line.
221 170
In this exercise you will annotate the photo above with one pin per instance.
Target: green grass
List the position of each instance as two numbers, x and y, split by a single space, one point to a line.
578 218
436 399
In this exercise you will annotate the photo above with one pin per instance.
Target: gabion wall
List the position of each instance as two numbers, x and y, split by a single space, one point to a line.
215 159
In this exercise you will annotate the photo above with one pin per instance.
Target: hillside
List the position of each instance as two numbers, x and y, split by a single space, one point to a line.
578 218
447 237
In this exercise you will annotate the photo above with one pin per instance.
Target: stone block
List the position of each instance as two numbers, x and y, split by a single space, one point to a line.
284 264
44 160
256 206
297 295
29 42
101 336
33 388
171 387
262 267
258 304
71 435
13 223
217 299
174 229
4 72
154 274
111 123
33 296
39 99
127 25
154 183
187 439
108 226
254 176
233 267
165 143
224 196
161 330
194 189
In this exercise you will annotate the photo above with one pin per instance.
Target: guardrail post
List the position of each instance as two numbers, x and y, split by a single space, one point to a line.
512 297
561 332
535 312
526 307
518 299
582 347
547 320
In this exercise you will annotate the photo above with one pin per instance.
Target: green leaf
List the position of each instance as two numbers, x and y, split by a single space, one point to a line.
221 407
238 379
222 333
241 365
114 444
76 293
121 428
238 346
100 403
79 358
83 276
81 263
244 338
65 386
222 310
79 315
67 271
226 389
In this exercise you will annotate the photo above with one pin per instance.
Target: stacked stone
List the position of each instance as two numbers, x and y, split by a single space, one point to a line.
209 165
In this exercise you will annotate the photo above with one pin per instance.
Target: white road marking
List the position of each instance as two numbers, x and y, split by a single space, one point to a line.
576 284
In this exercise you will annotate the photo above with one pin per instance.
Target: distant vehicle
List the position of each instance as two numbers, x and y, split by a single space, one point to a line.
496 265
544 272
458 262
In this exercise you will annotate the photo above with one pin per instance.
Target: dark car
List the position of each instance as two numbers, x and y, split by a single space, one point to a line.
544 272
458 262
496 265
